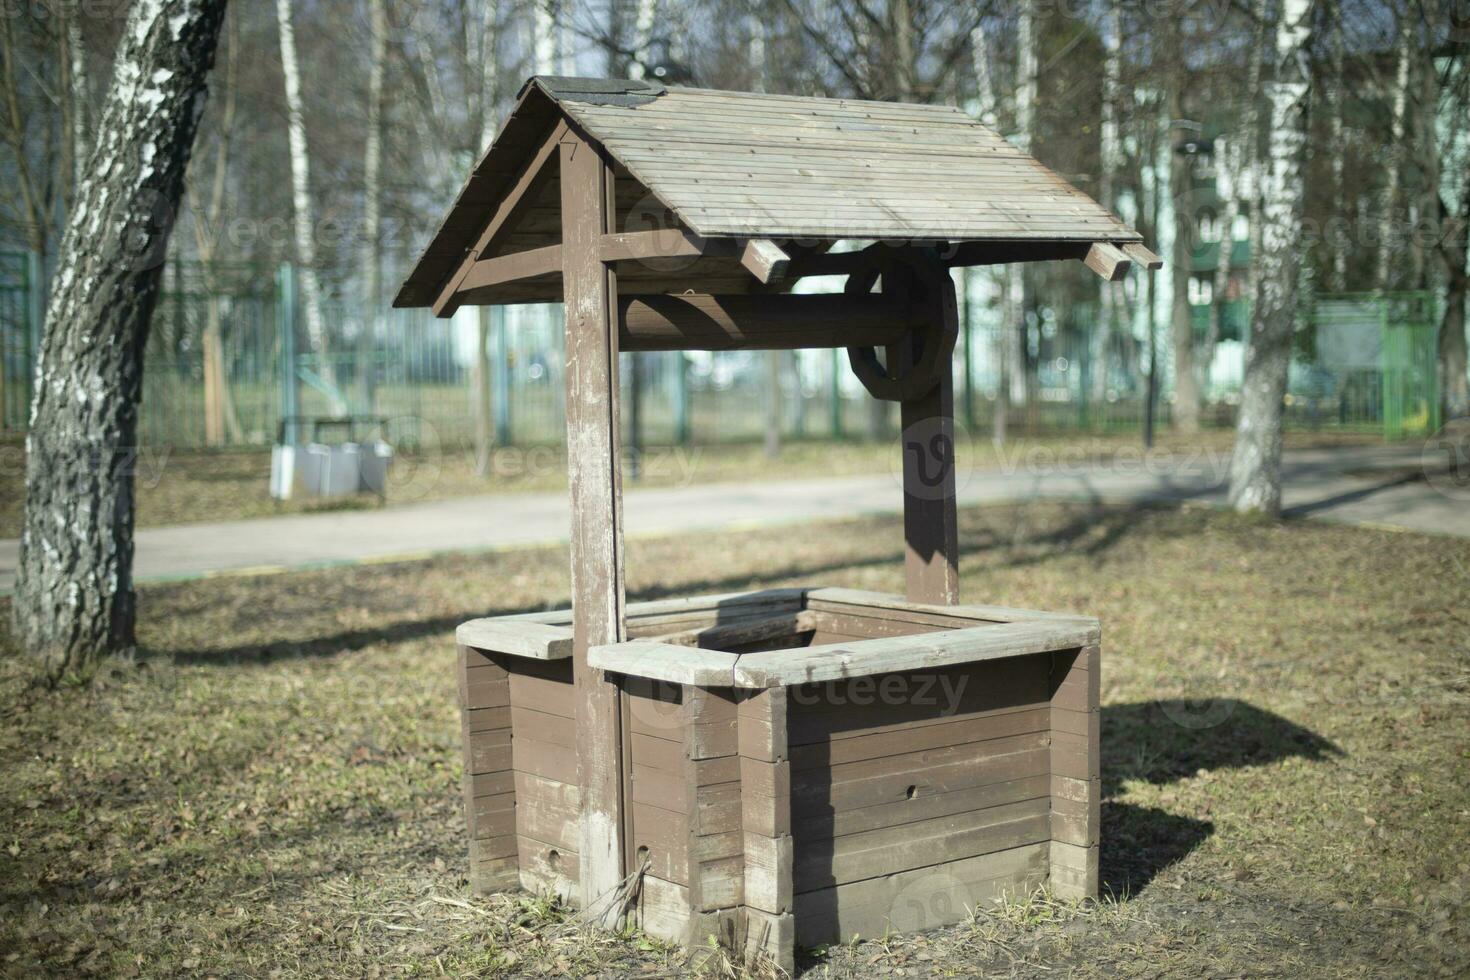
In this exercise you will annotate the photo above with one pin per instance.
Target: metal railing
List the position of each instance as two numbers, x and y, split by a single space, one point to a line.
228 356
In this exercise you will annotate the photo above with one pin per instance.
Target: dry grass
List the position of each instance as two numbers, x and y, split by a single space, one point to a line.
272 788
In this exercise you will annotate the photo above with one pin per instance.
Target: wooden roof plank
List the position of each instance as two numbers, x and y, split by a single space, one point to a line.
745 171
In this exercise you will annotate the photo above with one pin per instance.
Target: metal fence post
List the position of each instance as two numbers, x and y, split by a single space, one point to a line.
834 399
500 389
681 399
286 331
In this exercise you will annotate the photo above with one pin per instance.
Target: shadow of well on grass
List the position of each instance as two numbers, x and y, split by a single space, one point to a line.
1161 742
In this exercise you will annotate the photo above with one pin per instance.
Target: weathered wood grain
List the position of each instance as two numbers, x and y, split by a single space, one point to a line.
596 505
919 898
519 639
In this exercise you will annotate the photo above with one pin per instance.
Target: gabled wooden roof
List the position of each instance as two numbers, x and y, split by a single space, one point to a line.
747 165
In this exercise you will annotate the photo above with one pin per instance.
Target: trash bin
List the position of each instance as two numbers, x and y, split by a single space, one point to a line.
315 468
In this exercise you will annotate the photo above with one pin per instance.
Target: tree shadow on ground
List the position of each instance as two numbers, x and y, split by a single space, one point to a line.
1160 742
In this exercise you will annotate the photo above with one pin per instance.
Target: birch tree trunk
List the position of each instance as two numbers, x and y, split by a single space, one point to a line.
490 318
543 36
74 600
79 96
1108 147
1012 387
1387 248
372 207
311 290
643 38
1336 240
1255 467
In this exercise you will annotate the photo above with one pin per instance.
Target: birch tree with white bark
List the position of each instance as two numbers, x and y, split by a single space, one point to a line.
1109 153
74 601
1255 466
372 203
301 201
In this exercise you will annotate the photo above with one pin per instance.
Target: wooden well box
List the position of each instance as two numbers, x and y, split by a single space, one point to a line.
802 765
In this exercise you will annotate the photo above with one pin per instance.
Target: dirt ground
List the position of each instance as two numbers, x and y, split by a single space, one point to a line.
271 789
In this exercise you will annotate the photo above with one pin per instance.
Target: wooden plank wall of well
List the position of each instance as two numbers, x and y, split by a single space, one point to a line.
768 848
544 752
489 784
685 806
1076 771
916 795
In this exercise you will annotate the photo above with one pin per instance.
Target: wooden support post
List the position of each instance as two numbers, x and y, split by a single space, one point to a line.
931 536
1076 773
765 823
489 779
597 516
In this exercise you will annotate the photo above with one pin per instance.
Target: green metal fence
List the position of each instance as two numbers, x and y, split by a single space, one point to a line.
20 318
229 355
1368 362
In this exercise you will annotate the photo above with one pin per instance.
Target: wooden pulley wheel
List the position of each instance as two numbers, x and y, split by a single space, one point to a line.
915 365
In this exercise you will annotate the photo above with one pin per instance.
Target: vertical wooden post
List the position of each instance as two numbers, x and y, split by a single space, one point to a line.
931 537
765 824
597 513
1076 773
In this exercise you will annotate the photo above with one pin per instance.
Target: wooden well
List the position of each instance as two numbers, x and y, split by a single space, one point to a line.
802 765
789 766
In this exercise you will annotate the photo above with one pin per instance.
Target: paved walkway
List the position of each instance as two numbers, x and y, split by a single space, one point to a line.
1376 486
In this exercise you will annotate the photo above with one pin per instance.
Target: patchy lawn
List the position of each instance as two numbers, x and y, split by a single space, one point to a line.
188 486
272 789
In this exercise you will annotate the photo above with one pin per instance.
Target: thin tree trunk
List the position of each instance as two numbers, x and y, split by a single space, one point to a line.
221 424
1255 467
990 116
79 96
643 38
1013 381
543 34
1181 319
1108 146
74 600
1227 159
1387 245
1337 240
480 371
372 222
311 291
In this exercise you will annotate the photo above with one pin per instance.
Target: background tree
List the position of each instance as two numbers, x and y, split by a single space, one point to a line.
1255 466
74 597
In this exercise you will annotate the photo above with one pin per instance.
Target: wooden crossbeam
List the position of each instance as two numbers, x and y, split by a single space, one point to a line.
1108 261
759 321
765 260
532 178
660 243
762 257
508 268
1143 256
